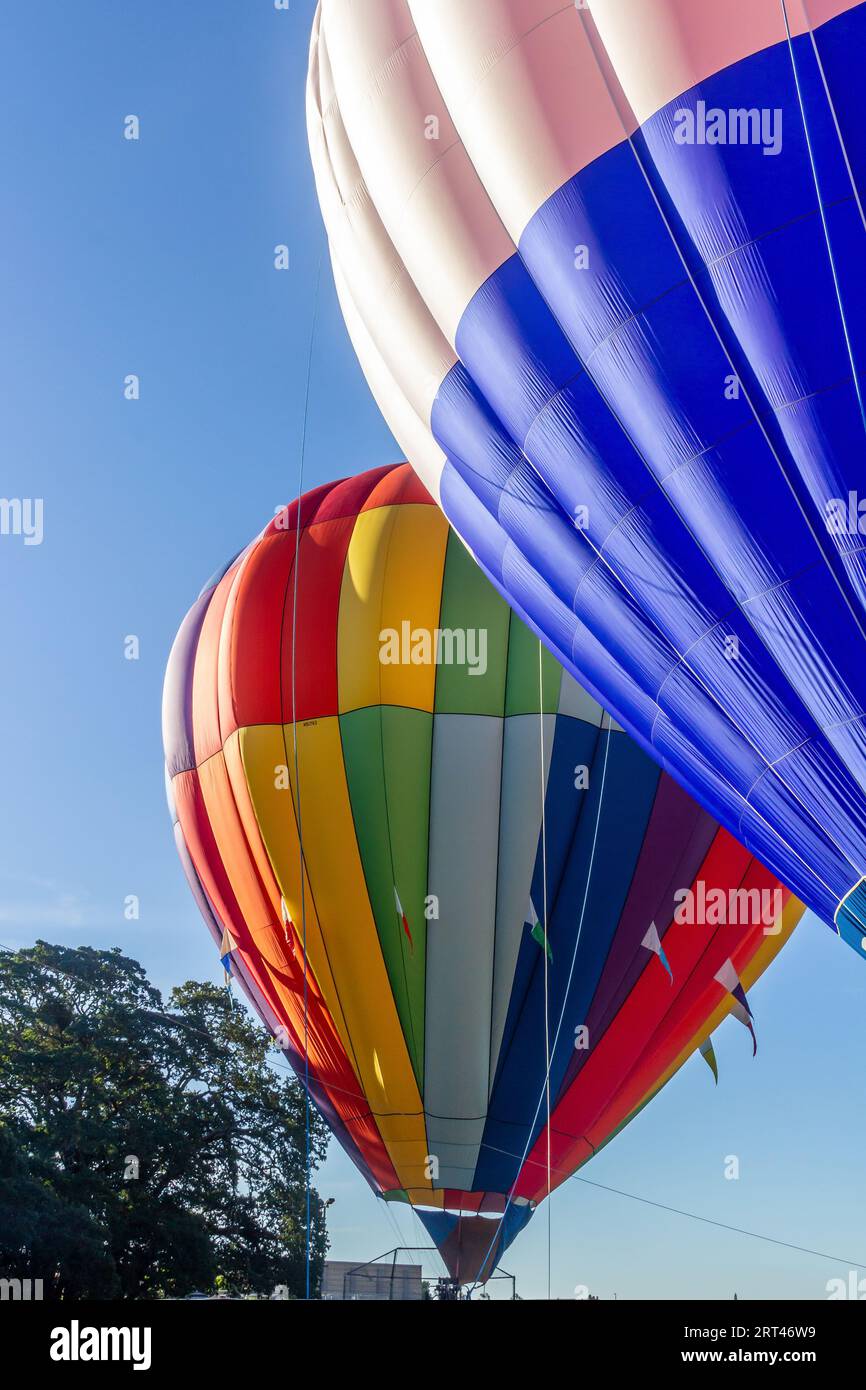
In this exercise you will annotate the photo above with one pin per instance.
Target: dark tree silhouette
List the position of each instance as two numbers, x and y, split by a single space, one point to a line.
145 1150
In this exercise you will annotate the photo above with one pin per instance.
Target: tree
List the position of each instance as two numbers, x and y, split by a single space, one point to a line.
146 1150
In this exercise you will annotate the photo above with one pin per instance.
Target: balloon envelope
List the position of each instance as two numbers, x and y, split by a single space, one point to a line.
362 688
602 266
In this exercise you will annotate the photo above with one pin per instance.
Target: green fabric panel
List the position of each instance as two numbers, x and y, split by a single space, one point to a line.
523 677
387 755
472 609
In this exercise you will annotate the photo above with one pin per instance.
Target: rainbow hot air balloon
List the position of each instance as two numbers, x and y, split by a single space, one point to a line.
423 849
603 267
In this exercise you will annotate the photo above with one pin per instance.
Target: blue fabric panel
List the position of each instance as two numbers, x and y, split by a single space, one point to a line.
851 918
591 859
839 47
604 678
442 1225
696 390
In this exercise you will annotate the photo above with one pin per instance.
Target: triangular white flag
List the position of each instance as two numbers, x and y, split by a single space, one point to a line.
727 976
652 940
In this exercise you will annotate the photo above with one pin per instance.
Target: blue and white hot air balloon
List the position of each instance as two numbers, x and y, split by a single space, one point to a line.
602 264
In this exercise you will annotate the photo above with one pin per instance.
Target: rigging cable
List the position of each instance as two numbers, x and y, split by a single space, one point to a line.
307 1155
605 717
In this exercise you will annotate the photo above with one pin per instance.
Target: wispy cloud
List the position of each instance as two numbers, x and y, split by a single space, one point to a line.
32 901
28 880
63 910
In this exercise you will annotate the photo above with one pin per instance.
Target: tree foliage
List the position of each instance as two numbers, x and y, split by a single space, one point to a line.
146 1149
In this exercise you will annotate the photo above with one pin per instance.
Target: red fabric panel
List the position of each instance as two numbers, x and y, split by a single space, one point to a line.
400 484
348 498
653 1026
321 561
472 1249
249 667
474 1201
332 501
287 518
207 738
260 603
691 1012
255 669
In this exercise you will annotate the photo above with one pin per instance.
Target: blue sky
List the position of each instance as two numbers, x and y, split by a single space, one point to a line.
155 257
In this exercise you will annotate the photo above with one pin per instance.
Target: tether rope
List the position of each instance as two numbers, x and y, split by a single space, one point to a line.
832 105
307 1154
848 599
821 208
546 960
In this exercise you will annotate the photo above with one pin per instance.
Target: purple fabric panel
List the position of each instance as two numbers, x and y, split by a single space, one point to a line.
676 819
177 736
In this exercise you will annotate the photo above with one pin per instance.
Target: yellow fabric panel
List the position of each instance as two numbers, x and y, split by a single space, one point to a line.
346 958
393 574
284 968
343 907
765 954
262 750
423 1197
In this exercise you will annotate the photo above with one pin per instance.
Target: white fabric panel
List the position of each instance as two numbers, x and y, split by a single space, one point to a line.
661 48
519 835
575 702
525 91
380 286
431 201
414 438
464 840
